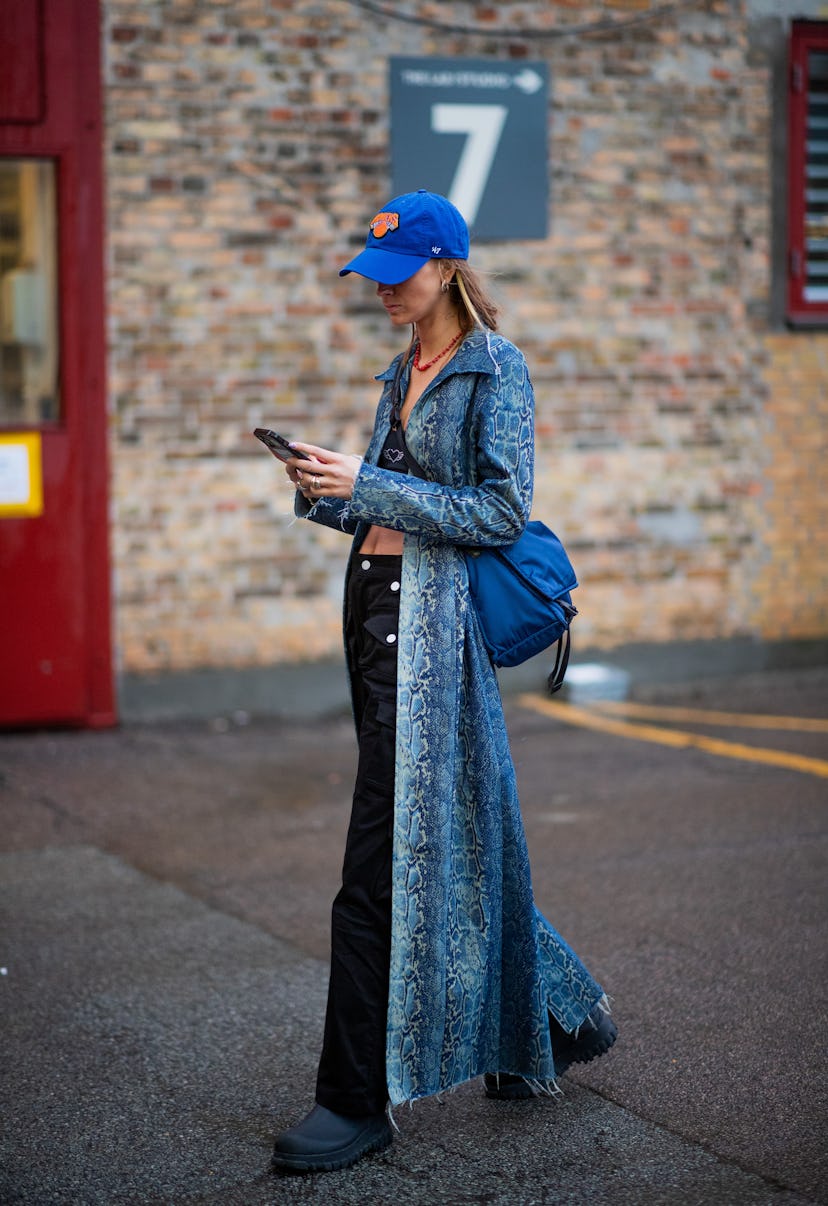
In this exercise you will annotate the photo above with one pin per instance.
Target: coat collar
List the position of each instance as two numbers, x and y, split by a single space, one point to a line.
474 355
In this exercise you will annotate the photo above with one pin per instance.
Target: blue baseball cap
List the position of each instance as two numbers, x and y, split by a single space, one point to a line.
411 230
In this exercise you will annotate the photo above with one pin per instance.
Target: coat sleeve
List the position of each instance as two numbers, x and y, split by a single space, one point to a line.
495 508
331 512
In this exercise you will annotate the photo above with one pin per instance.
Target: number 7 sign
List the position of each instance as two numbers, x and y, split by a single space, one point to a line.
483 124
476 131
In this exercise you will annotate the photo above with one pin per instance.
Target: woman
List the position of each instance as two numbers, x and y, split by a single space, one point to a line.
441 967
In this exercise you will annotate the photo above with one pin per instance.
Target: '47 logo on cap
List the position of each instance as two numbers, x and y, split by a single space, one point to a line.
384 222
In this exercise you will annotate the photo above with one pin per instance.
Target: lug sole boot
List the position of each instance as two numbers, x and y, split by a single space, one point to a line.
325 1141
595 1036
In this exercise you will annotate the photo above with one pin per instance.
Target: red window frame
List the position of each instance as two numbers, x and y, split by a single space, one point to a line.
807 302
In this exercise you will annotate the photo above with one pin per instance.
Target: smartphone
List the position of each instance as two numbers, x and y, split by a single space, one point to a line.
278 445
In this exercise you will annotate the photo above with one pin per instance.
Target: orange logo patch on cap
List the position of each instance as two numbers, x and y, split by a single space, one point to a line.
384 222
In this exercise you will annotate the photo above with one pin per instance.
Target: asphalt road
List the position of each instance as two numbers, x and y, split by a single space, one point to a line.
165 893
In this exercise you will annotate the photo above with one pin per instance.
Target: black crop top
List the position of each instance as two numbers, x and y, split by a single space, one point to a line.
392 454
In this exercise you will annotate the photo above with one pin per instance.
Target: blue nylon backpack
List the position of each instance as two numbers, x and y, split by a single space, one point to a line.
521 593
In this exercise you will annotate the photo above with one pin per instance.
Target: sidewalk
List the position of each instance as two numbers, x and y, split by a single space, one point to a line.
164 895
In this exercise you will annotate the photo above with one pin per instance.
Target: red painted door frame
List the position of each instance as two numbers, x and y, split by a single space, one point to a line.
55 605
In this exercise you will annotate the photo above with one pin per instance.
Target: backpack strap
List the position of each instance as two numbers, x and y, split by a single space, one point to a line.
556 677
413 465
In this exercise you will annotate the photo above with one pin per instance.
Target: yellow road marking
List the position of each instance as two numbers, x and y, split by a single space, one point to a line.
738 720
676 738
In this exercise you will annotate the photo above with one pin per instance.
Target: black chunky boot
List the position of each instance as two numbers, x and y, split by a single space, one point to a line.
325 1141
595 1036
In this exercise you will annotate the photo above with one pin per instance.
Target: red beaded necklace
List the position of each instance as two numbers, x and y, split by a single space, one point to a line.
422 367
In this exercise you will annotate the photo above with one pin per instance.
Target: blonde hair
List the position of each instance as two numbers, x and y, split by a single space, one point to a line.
475 308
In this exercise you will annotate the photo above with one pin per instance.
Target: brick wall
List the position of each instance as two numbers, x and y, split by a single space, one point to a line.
787 590
246 150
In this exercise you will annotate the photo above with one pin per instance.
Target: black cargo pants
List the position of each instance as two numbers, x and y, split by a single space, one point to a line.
351 1078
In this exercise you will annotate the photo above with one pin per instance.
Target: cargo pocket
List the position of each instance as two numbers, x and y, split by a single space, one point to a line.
379 660
387 713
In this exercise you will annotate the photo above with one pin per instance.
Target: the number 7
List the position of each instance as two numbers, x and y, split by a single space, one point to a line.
483 124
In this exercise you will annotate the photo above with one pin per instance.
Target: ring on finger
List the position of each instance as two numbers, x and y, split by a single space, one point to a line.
315 481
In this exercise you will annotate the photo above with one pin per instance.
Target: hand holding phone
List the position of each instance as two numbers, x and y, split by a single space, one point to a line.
278 445
332 475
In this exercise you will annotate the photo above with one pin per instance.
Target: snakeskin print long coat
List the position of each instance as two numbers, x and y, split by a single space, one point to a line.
474 965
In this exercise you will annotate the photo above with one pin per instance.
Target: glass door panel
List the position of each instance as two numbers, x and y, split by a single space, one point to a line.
29 351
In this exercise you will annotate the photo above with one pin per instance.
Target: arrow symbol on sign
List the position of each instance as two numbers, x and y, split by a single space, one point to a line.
529 81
